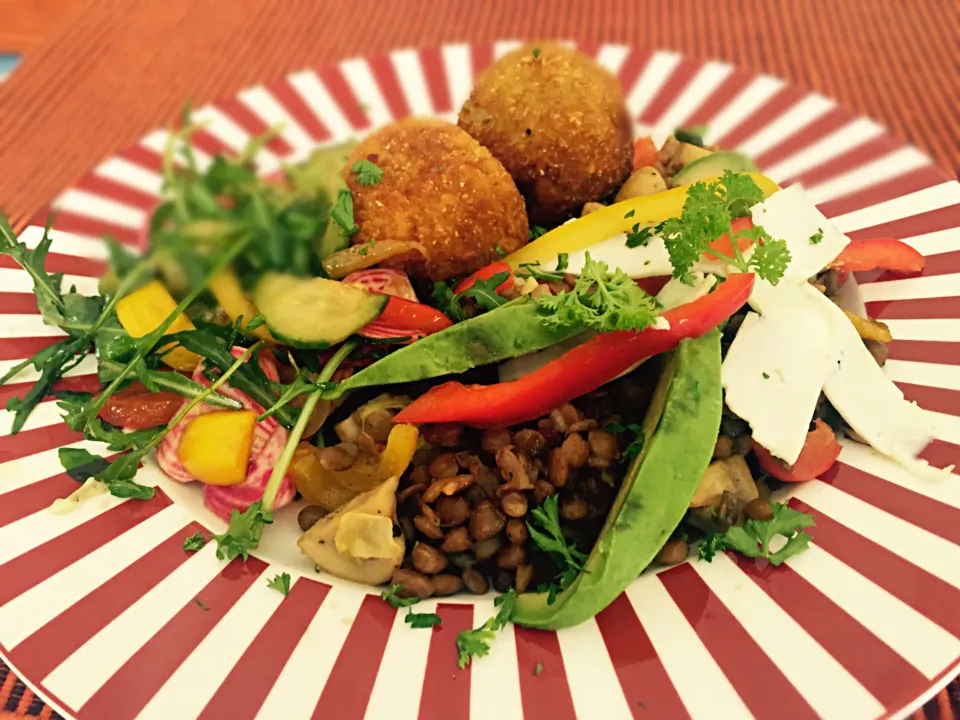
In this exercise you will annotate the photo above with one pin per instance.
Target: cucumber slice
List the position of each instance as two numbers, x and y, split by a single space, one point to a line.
314 312
712 166
322 169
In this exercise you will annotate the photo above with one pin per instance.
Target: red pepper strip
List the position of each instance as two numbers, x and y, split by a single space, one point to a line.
884 253
137 408
820 451
485 273
582 369
644 153
723 245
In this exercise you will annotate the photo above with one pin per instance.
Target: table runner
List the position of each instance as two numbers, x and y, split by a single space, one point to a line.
113 69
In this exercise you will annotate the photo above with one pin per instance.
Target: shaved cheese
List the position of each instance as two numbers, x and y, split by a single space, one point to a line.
645 261
773 374
790 215
865 397
676 293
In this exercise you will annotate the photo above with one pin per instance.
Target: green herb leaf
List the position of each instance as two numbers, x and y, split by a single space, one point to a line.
280 583
635 446
422 620
392 599
201 604
754 538
46 286
366 172
499 251
600 301
342 212
243 532
194 542
640 236
563 260
476 642
817 237
546 532
80 464
536 53
537 669
536 231
482 291
692 135
528 270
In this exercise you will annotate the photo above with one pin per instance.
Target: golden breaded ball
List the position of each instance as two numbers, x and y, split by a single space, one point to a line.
558 123
441 188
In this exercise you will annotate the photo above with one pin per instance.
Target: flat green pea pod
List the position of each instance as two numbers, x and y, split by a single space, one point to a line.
509 331
680 431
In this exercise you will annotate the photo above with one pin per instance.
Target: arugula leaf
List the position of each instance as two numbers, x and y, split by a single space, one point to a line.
546 532
280 583
707 213
476 642
600 301
754 538
551 589
422 620
243 532
342 212
194 542
80 464
484 292
367 173
46 286
120 260
301 385
392 599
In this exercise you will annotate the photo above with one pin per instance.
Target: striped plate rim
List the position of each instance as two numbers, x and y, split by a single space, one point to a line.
98 611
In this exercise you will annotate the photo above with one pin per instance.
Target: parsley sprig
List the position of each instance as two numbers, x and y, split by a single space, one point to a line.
601 301
280 583
755 537
476 642
415 620
707 213
546 532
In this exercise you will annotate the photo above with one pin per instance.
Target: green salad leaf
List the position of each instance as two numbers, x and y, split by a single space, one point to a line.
755 538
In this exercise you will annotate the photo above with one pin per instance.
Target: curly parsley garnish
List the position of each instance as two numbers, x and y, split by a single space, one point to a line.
280 583
600 301
194 542
707 213
476 642
546 532
754 538
414 620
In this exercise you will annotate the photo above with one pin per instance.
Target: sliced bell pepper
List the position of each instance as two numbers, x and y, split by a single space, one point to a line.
819 453
333 489
408 318
882 253
142 311
610 221
582 369
226 288
215 447
485 273
644 153
723 245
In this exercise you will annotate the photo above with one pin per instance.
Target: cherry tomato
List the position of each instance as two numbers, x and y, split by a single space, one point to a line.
884 253
136 408
644 153
820 451
723 245
485 273
413 316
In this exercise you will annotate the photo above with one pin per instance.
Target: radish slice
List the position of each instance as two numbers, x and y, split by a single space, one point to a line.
380 330
382 280
266 435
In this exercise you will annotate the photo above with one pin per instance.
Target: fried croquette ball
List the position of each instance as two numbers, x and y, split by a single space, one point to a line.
441 188
558 123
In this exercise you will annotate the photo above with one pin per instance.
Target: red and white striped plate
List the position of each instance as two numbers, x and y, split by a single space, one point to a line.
98 611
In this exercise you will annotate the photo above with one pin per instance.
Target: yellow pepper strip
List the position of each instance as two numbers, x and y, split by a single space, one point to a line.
333 489
142 311
215 446
870 329
226 288
603 224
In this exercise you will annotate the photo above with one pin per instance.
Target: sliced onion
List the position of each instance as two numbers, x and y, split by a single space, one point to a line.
383 280
380 330
359 257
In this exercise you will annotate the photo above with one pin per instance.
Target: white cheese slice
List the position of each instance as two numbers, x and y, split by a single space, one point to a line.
790 215
639 262
773 374
676 293
864 396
